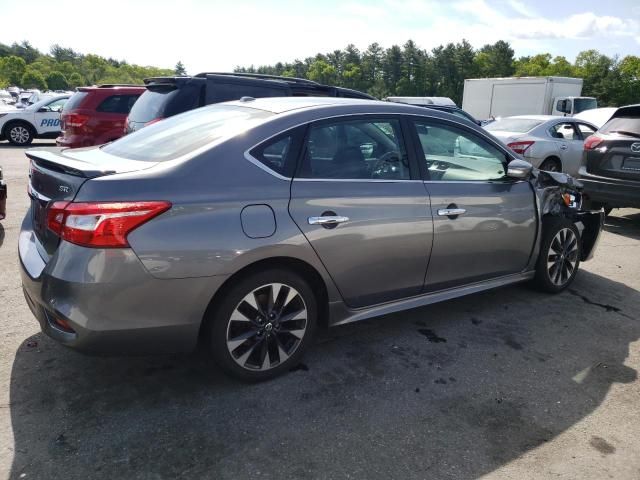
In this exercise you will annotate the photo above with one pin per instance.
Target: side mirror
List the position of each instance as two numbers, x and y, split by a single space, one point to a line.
519 169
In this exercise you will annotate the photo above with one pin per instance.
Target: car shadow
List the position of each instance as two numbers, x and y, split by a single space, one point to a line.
625 222
2 234
7 145
454 390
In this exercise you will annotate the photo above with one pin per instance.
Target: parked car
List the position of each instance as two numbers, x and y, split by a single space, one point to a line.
3 197
610 169
444 104
547 142
40 120
597 116
6 98
168 96
245 224
96 115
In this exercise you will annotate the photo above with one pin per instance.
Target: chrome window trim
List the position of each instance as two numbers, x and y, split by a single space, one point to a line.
358 180
247 155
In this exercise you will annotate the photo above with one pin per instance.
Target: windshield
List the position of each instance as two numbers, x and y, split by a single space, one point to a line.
582 104
151 105
180 135
517 125
628 126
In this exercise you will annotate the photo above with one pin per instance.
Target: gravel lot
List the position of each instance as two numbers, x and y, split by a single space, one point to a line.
506 384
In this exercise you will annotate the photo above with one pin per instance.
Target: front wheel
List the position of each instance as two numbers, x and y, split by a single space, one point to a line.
19 134
263 325
559 257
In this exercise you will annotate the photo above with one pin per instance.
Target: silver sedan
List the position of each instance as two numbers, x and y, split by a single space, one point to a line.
548 142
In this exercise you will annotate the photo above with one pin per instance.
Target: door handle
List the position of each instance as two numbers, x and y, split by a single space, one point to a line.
451 212
327 220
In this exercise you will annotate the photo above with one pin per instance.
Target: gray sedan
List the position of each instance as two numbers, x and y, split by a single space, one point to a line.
548 142
242 226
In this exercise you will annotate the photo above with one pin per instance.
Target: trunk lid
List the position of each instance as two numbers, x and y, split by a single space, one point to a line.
57 175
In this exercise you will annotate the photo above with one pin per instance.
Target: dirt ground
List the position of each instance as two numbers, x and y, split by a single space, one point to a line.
508 384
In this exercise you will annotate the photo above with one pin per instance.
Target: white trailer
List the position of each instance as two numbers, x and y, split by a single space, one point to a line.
487 98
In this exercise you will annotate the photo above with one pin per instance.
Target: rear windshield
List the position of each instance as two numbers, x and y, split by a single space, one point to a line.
623 125
180 135
151 105
518 125
75 101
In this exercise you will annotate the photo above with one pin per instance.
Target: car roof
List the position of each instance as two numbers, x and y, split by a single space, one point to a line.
285 104
538 117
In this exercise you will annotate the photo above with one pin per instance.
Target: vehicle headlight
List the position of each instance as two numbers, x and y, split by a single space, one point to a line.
572 200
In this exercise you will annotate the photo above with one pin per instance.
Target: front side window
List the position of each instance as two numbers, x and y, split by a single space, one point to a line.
356 149
454 154
585 130
57 105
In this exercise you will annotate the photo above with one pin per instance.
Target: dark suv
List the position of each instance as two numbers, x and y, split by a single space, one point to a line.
168 96
610 167
96 115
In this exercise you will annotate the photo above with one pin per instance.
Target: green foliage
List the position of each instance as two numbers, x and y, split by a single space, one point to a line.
64 68
179 69
57 81
33 79
411 71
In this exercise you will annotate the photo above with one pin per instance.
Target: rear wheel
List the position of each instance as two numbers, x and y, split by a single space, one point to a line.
551 165
19 133
559 257
263 325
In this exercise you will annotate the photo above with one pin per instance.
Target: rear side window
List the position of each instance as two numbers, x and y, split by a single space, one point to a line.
183 134
75 101
623 125
117 104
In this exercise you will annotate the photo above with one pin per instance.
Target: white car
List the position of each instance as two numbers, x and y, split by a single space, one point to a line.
40 120
548 142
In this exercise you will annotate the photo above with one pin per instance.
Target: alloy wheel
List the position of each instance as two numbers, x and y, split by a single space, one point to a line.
562 257
19 134
266 327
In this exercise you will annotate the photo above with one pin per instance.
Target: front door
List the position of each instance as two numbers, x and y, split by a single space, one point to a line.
47 118
484 222
570 144
365 214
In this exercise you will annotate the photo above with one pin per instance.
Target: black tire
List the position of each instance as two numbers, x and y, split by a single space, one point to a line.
19 133
255 328
559 257
551 165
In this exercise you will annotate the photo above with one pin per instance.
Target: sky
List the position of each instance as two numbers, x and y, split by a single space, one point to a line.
218 35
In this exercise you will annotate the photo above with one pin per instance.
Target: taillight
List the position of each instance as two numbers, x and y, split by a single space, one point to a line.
592 142
520 147
74 120
103 224
151 122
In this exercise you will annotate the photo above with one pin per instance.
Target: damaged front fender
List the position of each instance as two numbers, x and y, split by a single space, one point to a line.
559 194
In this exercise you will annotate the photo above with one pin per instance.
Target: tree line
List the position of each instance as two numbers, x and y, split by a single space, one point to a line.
62 68
409 70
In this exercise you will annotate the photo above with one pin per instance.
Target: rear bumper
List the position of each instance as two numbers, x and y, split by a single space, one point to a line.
110 302
3 199
612 192
73 141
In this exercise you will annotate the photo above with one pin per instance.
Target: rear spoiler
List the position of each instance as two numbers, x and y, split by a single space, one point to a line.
58 162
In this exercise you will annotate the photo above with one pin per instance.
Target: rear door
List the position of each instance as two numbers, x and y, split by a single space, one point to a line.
108 124
484 222
363 208
570 144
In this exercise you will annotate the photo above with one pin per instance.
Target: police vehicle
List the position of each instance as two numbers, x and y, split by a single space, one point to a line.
40 120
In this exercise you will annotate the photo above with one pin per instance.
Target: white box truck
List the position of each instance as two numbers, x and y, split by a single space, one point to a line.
487 98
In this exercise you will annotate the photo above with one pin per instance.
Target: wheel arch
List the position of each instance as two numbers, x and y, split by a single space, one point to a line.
553 158
27 123
301 267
